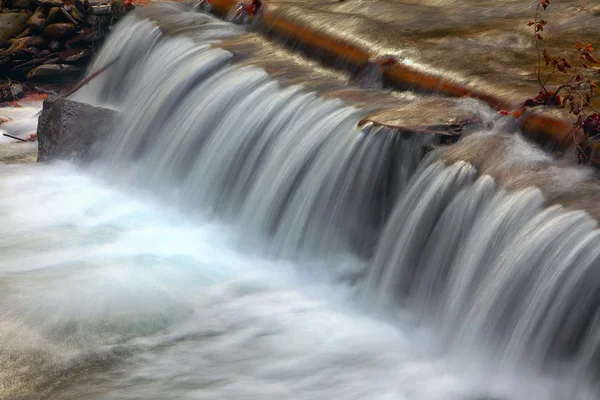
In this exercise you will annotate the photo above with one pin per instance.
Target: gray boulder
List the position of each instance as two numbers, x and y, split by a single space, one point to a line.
69 129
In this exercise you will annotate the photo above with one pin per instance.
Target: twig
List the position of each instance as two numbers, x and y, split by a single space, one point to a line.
90 77
14 137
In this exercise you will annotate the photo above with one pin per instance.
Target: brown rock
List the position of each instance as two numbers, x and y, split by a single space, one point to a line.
60 30
73 55
23 43
21 4
26 32
11 25
77 15
59 14
49 3
52 70
38 20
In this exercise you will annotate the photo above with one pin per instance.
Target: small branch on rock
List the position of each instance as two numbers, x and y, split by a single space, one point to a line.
89 78
14 137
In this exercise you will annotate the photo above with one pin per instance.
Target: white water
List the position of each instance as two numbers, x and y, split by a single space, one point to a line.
219 245
110 295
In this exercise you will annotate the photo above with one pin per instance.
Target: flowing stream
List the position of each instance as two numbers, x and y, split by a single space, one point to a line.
238 238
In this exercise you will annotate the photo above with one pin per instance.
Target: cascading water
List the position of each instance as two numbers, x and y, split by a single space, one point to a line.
228 280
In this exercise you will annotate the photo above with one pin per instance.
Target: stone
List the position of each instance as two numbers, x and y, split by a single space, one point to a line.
12 24
21 4
49 3
26 32
72 130
54 46
52 70
59 31
38 20
73 55
23 43
59 14
77 15
102 9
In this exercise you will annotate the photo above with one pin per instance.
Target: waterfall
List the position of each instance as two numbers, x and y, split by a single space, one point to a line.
486 252
501 267
283 162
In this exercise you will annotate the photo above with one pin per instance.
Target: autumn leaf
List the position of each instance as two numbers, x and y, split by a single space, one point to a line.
545 3
530 23
589 47
590 58
547 57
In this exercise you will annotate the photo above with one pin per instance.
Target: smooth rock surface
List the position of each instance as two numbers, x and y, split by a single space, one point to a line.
59 30
68 129
12 24
47 70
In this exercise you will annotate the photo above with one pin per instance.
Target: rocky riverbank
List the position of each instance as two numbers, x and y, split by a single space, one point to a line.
51 40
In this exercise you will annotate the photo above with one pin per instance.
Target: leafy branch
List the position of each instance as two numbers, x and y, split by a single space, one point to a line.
577 91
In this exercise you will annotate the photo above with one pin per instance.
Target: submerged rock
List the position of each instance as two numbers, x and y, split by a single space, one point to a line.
12 24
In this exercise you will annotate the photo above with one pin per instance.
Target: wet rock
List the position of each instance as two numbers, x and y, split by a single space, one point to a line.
60 30
12 24
26 32
86 35
55 46
73 55
71 130
77 16
59 14
38 20
102 9
49 3
22 4
52 70
17 91
23 43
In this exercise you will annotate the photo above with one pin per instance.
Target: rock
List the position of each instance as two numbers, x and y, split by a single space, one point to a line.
77 16
49 3
38 20
71 130
22 43
26 32
27 12
73 55
16 89
21 4
86 35
102 9
59 14
54 46
60 30
80 5
11 25
52 70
